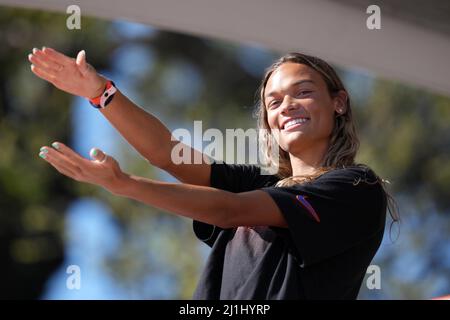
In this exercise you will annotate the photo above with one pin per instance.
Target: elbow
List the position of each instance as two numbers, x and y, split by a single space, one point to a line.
227 216
224 223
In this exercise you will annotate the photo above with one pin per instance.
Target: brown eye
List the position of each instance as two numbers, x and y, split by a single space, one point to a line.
274 103
303 92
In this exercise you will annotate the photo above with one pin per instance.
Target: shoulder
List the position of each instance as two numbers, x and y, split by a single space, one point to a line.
354 171
354 175
344 180
359 182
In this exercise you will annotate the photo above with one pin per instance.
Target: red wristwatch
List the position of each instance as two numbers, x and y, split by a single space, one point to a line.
106 97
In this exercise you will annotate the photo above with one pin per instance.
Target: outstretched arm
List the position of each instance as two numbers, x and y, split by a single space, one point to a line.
142 130
222 208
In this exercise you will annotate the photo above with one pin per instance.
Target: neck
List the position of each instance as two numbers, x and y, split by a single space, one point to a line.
308 160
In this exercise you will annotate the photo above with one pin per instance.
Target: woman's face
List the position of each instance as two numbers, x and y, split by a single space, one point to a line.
300 111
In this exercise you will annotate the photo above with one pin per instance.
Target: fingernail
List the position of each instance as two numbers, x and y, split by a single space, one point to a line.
94 152
42 155
44 150
35 50
55 145
30 56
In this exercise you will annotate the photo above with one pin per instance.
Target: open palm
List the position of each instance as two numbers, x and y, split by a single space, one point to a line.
103 170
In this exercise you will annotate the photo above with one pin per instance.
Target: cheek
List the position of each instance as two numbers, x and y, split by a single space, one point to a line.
323 114
325 123
271 119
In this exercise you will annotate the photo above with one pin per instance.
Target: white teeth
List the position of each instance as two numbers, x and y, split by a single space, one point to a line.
295 121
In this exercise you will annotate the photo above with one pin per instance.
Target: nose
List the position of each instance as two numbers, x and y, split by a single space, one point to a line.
288 105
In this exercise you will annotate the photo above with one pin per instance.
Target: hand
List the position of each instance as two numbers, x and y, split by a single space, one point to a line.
73 76
103 170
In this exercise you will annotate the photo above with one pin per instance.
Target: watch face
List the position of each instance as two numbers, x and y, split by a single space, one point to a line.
107 95
108 100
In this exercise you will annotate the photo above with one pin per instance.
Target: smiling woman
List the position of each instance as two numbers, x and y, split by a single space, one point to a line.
319 99
308 232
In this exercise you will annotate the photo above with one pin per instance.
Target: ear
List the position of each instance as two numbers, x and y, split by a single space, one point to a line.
340 102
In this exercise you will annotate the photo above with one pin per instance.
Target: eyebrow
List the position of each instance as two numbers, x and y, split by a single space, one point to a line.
292 85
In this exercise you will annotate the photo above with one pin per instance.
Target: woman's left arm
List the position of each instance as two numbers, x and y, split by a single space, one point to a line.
210 205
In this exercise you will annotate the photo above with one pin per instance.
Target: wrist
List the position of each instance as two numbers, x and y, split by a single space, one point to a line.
100 87
107 95
120 184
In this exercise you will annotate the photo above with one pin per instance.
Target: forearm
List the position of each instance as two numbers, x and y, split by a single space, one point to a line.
141 129
200 203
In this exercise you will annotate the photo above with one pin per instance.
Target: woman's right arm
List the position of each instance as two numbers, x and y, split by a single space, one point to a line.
153 140
142 130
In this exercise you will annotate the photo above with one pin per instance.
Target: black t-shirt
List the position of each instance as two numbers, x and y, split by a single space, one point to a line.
335 226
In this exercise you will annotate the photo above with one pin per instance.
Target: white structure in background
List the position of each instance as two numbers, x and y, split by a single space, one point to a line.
413 44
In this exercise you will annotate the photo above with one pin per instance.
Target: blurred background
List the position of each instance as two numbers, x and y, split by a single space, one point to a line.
127 250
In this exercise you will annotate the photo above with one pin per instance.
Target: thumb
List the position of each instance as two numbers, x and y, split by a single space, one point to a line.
81 62
98 155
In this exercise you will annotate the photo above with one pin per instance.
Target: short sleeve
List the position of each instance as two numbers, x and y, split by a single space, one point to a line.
337 211
233 178
239 178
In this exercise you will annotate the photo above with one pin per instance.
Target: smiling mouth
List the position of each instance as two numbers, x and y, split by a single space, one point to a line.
294 123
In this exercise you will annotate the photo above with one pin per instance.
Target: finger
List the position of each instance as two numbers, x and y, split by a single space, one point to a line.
81 63
68 152
46 59
98 155
42 74
47 65
74 164
62 167
47 56
57 56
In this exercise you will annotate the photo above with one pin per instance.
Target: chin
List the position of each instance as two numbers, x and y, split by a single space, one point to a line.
292 139
293 145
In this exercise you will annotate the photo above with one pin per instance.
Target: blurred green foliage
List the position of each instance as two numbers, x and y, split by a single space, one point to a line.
404 132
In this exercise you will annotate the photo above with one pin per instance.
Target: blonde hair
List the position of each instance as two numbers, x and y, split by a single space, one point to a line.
344 142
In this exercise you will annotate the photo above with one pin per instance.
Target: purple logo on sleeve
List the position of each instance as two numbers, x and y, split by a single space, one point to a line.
308 207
